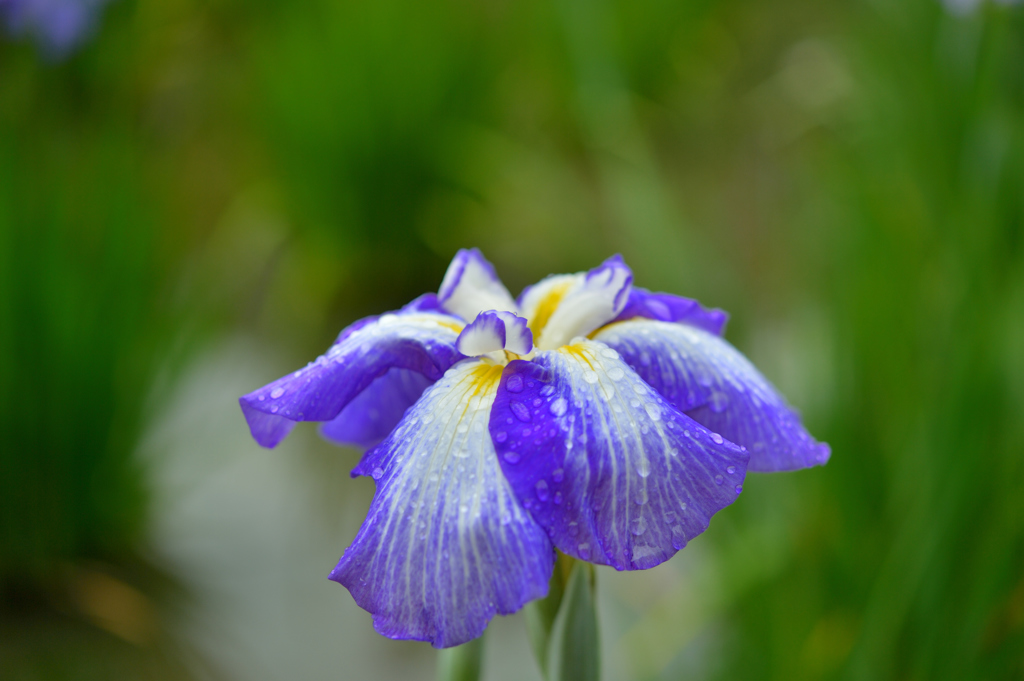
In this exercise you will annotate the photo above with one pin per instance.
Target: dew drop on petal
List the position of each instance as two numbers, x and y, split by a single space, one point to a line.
731 470
377 473
653 410
638 526
262 398
559 406
739 488
547 391
273 410
277 392
643 467
542 490
616 374
558 475
500 436
609 353
514 384
511 457
719 479
590 376
717 438
521 411
719 401
669 517
558 498
584 550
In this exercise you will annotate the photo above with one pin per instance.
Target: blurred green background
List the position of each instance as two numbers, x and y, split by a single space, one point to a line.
200 198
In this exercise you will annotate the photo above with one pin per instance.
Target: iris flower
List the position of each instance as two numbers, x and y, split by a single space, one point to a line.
589 415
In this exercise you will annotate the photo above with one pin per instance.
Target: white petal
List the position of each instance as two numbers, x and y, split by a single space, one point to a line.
471 286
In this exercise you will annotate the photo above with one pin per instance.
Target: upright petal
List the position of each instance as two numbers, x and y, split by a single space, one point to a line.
588 302
518 337
445 545
471 286
610 469
377 410
706 377
484 334
420 342
669 308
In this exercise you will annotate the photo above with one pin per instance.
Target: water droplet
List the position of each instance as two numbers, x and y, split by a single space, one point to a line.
514 384
641 497
643 467
653 410
717 438
558 475
521 411
590 376
609 353
638 526
273 410
377 473
434 477
559 406
558 498
719 401
669 517
584 550
511 457
462 454
616 374
509 421
463 509
719 479
574 529
731 470
427 418
547 391
542 490
634 403
682 505
530 384
262 397
739 488
462 428
277 392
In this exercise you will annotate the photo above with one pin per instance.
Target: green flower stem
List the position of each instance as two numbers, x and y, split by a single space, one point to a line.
461 663
563 627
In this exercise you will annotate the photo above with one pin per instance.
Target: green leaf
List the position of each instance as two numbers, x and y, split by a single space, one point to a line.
573 652
461 663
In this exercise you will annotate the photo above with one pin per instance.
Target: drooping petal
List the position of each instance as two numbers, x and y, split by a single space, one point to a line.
471 286
590 301
445 545
420 342
706 377
518 337
669 308
611 470
484 334
377 410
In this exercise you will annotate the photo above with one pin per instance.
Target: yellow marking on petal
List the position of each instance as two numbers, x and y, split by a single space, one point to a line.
449 325
485 377
547 307
579 352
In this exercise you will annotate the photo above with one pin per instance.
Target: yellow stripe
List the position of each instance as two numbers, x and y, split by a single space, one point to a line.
547 307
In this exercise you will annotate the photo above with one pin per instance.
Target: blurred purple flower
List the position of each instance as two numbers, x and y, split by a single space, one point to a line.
611 427
59 26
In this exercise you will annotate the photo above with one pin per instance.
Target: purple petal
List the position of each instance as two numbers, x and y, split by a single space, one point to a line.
445 545
612 471
485 334
706 377
471 286
420 342
377 410
666 307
